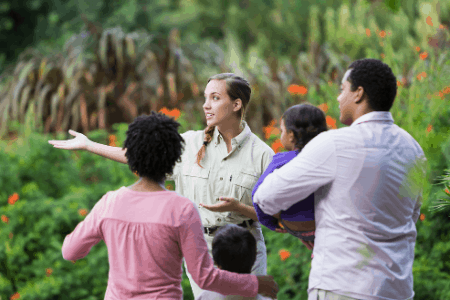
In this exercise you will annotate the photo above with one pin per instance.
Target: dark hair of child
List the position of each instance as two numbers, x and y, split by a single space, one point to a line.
234 249
305 121
153 146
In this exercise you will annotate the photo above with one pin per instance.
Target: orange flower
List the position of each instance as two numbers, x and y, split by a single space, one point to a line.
13 198
174 113
277 146
323 107
284 254
424 75
422 217
382 33
136 173
48 271
112 140
382 55
5 219
447 191
368 32
399 83
429 22
83 212
419 77
10 235
429 128
169 187
270 129
441 26
418 49
295 89
446 90
15 296
423 55
331 122
441 94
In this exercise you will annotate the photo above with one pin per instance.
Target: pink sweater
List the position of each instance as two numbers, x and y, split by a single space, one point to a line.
147 235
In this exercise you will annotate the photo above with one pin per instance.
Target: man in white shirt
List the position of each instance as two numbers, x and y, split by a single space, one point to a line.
367 196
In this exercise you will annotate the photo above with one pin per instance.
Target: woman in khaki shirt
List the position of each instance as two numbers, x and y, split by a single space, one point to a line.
219 166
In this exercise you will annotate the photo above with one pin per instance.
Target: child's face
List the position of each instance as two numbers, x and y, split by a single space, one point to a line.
287 137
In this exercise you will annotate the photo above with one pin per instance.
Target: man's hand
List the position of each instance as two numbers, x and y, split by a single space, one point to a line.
227 204
267 286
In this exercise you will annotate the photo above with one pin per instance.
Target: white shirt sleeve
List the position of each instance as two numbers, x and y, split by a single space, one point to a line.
314 167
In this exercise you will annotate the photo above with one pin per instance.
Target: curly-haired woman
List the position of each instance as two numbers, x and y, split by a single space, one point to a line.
219 165
299 124
148 230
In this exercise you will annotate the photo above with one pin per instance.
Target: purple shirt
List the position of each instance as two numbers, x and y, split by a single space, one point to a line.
300 211
147 235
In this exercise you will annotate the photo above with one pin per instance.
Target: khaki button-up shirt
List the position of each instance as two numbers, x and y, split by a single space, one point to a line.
224 174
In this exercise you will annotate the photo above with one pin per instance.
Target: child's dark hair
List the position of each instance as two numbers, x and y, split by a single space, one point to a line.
306 122
234 249
378 81
153 146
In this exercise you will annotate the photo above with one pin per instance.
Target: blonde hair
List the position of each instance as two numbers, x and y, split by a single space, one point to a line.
237 88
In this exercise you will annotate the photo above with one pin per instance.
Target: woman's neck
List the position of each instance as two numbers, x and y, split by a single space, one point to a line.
229 132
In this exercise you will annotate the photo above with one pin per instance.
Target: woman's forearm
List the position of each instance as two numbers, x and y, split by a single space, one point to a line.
248 211
113 153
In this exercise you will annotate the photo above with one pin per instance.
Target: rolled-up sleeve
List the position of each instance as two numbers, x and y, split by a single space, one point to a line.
87 234
313 167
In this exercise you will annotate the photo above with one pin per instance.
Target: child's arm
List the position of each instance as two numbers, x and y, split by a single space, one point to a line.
77 244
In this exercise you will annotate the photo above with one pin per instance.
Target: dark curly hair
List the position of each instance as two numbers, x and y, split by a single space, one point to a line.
378 81
234 249
153 146
305 121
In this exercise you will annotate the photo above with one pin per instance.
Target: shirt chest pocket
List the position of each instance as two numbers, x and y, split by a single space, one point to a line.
195 182
242 185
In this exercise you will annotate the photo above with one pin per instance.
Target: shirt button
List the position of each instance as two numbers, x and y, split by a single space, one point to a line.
225 158
221 178
219 219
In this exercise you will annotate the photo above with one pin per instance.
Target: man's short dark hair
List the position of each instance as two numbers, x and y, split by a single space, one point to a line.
153 146
378 81
234 249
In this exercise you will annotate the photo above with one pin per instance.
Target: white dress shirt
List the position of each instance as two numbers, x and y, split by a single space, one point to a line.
367 199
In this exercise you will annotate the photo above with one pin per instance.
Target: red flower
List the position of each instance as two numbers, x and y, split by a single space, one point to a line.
13 198
423 55
284 254
418 49
48 272
323 107
429 128
422 217
15 296
5 219
277 146
112 140
382 33
295 89
331 122
83 212
174 113
447 191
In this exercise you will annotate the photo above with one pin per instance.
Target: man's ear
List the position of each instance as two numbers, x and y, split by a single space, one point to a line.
360 95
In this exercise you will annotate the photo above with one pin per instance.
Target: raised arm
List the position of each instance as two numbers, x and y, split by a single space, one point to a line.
81 142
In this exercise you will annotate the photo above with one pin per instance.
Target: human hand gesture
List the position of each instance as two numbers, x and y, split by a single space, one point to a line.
267 286
80 142
226 204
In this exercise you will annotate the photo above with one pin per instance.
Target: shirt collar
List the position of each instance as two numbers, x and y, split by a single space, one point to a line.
374 116
237 140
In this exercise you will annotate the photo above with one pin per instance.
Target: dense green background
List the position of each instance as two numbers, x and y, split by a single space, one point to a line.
278 35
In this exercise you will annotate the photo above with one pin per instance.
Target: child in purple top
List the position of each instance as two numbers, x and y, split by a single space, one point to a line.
299 124
148 230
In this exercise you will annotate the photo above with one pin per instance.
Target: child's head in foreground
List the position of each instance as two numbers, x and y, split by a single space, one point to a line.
234 249
153 146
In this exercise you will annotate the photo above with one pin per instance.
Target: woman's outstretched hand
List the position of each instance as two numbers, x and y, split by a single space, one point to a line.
267 286
80 142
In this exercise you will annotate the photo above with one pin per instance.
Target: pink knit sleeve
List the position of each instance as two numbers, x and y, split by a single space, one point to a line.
201 265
